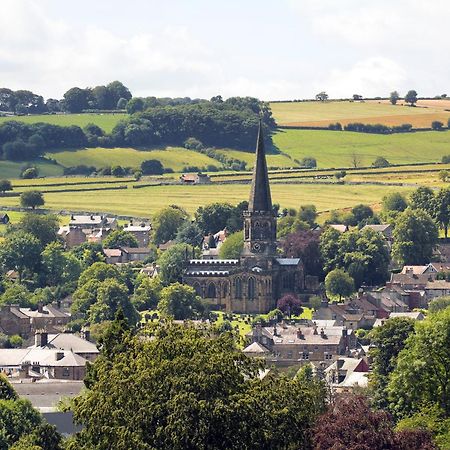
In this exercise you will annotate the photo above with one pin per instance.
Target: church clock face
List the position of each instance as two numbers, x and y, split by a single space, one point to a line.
257 247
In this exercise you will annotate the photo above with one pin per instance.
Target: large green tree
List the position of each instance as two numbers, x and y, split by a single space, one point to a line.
31 199
120 238
112 295
20 251
415 236
411 97
166 224
147 293
213 218
387 340
422 373
423 198
200 392
233 246
361 253
340 283
442 209
180 302
43 227
172 262
60 267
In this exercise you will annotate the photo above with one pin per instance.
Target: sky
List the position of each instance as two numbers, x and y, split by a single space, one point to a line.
273 50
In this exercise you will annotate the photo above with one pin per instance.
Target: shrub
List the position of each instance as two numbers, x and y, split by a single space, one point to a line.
309 162
446 159
152 167
117 171
30 173
381 162
335 126
437 125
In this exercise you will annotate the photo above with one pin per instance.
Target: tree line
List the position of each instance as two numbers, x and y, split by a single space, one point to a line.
231 123
113 96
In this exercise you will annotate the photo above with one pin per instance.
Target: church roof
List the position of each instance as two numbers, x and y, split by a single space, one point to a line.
260 199
288 261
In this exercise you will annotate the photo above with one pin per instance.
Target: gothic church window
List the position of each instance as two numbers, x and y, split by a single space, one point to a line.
211 290
238 288
198 289
251 288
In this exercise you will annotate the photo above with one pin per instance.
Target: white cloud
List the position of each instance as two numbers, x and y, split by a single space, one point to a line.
369 47
369 77
50 57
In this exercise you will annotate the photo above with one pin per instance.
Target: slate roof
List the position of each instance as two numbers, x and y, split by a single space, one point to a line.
46 393
256 347
70 341
378 227
44 357
48 311
134 228
288 261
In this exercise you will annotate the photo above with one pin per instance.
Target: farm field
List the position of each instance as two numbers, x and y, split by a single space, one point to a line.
338 148
277 160
146 201
321 114
11 169
105 121
171 157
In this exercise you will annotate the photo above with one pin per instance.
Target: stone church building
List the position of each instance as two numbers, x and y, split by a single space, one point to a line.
254 282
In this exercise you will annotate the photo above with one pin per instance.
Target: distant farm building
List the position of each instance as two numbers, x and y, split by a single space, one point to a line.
195 178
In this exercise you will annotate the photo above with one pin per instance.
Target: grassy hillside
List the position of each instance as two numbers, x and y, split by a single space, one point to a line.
174 157
323 113
105 121
336 148
10 169
249 157
145 201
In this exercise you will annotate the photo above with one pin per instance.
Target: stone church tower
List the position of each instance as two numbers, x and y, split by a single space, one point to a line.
254 282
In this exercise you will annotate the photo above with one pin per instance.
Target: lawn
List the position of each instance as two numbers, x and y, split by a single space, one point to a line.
105 121
320 114
146 201
171 157
338 148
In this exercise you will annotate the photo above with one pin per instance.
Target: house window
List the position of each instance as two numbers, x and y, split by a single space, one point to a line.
251 288
211 290
66 372
289 355
305 355
328 356
238 288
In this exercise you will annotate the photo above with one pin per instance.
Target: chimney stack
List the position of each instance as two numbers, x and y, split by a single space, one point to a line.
86 333
40 307
41 338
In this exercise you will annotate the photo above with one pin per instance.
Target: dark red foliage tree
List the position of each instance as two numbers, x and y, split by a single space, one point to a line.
290 304
350 424
304 244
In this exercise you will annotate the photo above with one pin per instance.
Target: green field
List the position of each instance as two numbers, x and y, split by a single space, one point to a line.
105 121
320 114
171 157
10 169
337 148
146 201
278 160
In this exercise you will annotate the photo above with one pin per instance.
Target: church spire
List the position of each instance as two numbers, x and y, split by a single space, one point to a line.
260 199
